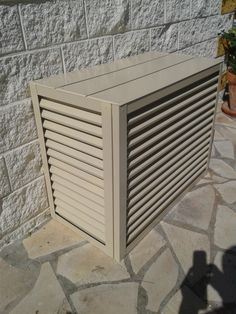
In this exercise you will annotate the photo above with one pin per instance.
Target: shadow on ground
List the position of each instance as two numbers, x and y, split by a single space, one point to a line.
212 285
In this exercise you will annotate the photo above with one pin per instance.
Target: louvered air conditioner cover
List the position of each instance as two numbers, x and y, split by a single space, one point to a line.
121 142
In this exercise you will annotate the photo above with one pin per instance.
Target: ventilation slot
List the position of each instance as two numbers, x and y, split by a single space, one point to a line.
74 144
168 148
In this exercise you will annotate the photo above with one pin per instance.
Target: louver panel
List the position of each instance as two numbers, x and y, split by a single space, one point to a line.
150 164
163 203
164 170
168 146
69 214
75 157
152 194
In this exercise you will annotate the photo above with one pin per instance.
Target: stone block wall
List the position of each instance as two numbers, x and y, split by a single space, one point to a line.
46 37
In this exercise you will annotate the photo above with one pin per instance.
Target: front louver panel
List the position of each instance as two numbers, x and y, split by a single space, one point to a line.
75 156
122 142
168 147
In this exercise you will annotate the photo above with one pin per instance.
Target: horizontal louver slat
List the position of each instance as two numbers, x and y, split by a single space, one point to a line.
74 179
148 166
78 197
79 206
173 194
72 123
77 172
172 132
167 169
74 134
135 117
168 137
76 163
64 212
81 215
75 144
71 152
145 136
71 111
164 185
163 164
169 114
61 180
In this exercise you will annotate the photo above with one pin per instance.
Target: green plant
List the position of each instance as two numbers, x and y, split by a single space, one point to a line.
229 43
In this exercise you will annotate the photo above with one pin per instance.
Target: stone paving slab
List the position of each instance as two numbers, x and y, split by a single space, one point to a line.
221 168
18 275
217 179
222 284
218 136
186 265
145 250
227 133
184 243
160 278
14 283
223 119
225 227
213 151
46 296
225 148
50 238
115 299
195 209
227 191
185 301
88 264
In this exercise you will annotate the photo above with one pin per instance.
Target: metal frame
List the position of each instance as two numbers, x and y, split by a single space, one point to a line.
119 117
213 123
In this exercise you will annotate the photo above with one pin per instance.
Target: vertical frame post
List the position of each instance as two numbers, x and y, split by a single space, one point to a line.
108 176
39 126
119 118
213 122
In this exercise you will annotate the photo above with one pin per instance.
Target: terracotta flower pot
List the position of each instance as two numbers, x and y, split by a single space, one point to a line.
231 78
225 108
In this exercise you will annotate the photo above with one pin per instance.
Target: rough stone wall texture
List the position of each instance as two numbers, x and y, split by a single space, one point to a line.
45 37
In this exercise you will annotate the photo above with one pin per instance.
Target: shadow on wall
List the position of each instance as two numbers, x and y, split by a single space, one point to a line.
208 282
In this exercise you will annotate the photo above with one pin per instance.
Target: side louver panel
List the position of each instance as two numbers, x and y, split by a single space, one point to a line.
168 148
74 143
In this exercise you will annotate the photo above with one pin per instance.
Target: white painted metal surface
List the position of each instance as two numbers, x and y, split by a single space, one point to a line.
122 141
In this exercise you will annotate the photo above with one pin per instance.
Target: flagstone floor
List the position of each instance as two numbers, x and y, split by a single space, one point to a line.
186 264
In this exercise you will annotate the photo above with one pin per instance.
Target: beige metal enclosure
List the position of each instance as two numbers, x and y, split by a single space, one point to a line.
121 142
